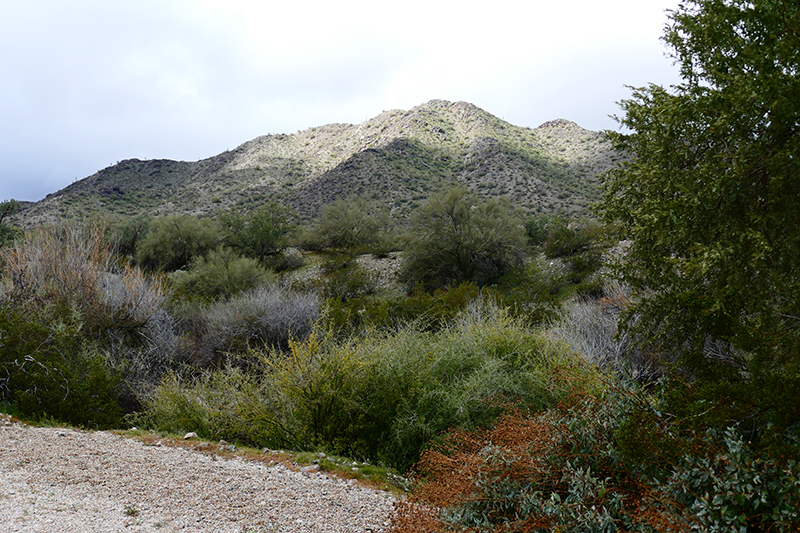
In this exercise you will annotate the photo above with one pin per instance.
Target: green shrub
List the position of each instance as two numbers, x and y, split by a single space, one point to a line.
8 233
259 234
353 224
222 274
226 403
342 278
127 234
49 372
173 241
385 396
429 311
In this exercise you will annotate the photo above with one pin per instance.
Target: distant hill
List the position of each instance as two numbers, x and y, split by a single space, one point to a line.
399 157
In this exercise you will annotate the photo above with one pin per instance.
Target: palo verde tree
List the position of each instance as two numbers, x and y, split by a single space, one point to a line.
710 201
259 234
353 222
458 236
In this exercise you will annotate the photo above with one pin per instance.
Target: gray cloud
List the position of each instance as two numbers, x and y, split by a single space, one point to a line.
87 83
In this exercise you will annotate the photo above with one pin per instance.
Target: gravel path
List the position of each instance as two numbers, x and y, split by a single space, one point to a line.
63 480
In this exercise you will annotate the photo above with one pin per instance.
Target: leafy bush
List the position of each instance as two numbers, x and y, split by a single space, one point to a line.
561 470
222 274
173 241
735 489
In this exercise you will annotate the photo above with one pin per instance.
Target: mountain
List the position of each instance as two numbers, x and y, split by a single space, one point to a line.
399 157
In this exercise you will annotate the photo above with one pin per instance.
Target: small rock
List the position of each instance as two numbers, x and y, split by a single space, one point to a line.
310 468
202 446
222 443
321 455
190 435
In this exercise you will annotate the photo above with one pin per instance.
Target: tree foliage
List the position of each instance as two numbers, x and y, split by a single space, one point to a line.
457 236
710 200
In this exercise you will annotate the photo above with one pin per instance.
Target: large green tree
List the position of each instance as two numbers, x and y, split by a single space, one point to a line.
710 200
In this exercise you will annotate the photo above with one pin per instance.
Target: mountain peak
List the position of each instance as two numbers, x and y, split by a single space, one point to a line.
399 157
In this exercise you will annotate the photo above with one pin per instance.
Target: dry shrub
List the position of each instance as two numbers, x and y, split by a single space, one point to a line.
71 269
590 327
66 277
551 471
268 315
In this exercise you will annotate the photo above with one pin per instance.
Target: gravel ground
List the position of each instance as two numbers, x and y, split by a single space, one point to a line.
64 480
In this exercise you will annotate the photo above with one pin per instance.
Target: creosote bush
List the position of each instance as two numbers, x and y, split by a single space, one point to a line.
173 241
222 274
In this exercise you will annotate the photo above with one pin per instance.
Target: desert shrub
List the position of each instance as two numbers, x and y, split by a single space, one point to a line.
127 234
590 327
353 224
50 372
8 232
65 278
228 403
384 396
429 311
173 241
264 316
342 278
458 236
285 260
222 274
562 470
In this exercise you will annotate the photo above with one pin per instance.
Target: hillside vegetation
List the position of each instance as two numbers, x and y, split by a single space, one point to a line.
400 157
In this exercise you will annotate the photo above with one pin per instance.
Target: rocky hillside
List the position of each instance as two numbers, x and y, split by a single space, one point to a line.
399 157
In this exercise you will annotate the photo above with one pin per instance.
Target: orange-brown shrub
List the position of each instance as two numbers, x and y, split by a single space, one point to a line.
550 471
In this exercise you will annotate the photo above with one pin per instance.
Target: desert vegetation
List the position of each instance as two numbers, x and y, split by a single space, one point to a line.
525 370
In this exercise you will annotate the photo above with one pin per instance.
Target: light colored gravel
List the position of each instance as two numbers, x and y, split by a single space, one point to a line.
63 480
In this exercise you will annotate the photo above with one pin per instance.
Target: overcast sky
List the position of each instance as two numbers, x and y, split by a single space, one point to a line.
87 83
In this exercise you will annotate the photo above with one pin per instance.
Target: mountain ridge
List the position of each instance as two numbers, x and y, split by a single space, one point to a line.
399 157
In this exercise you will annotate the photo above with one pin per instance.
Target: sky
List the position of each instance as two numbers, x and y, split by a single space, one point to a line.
85 84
